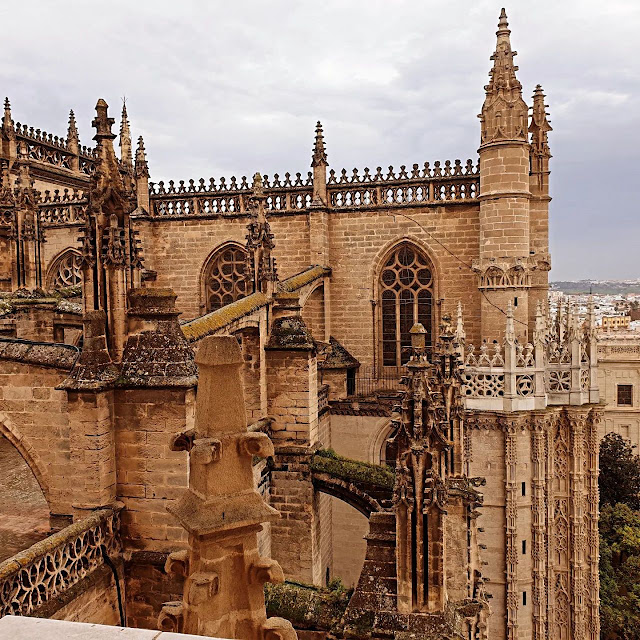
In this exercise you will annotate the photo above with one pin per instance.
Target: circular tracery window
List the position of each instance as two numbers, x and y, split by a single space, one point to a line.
406 285
224 278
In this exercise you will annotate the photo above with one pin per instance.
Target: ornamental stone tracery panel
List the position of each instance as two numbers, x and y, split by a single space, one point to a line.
66 270
406 297
224 280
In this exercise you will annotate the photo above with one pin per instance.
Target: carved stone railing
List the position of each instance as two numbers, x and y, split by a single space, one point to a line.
50 567
63 209
416 187
509 378
53 150
619 350
419 186
202 199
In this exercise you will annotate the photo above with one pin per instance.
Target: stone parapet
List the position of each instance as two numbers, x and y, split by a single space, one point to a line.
57 563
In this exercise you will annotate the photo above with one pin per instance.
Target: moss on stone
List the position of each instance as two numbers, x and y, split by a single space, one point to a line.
328 461
306 606
303 278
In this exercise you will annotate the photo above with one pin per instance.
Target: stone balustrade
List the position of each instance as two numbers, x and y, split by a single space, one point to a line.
45 570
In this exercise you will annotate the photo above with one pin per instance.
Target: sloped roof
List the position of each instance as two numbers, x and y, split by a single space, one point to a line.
209 323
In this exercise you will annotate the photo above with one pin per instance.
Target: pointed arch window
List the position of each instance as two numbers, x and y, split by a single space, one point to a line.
224 277
406 297
66 271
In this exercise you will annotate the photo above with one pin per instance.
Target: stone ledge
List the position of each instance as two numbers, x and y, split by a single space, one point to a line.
44 354
22 628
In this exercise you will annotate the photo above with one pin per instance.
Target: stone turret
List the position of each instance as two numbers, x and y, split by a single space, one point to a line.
504 264
540 155
223 513
8 134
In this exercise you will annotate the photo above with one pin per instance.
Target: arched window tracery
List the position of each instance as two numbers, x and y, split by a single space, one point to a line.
66 271
406 297
224 277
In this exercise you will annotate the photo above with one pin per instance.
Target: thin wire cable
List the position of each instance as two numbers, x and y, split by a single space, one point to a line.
461 261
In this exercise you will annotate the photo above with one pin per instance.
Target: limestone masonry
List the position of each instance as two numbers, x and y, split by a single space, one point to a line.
226 383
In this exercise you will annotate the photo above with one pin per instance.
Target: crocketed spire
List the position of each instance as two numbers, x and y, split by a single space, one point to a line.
319 152
504 113
72 130
142 168
125 139
539 126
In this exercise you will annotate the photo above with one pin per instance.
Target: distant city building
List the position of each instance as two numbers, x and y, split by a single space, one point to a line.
619 382
615 323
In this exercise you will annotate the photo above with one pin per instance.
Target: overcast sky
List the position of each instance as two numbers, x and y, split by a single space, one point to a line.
221 88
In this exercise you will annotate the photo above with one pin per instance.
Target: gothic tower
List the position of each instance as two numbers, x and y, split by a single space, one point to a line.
505 263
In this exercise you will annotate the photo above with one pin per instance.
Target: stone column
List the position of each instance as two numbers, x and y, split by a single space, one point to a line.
539 428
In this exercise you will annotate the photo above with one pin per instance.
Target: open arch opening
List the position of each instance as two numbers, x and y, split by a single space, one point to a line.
406 296
223 279
24 511
348 544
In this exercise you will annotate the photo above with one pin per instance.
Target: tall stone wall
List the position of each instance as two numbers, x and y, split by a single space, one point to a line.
178 250
149 474
539 520
358 244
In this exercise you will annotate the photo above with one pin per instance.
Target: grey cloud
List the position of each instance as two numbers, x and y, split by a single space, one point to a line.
223 88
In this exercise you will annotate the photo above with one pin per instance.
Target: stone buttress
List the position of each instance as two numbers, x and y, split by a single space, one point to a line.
222 512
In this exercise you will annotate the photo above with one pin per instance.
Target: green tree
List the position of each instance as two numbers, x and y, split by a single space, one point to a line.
619 525
619 572
619 480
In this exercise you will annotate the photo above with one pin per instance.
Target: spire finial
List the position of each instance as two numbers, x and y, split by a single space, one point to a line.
503 25
257 185
539 126
142 168
72 130
504 90
102 123
125 138
7 122
319 152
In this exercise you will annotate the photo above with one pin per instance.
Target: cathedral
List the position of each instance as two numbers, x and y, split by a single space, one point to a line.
299 377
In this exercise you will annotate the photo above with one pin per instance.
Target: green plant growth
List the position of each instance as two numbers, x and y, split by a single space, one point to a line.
328 461
306 606
619 527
